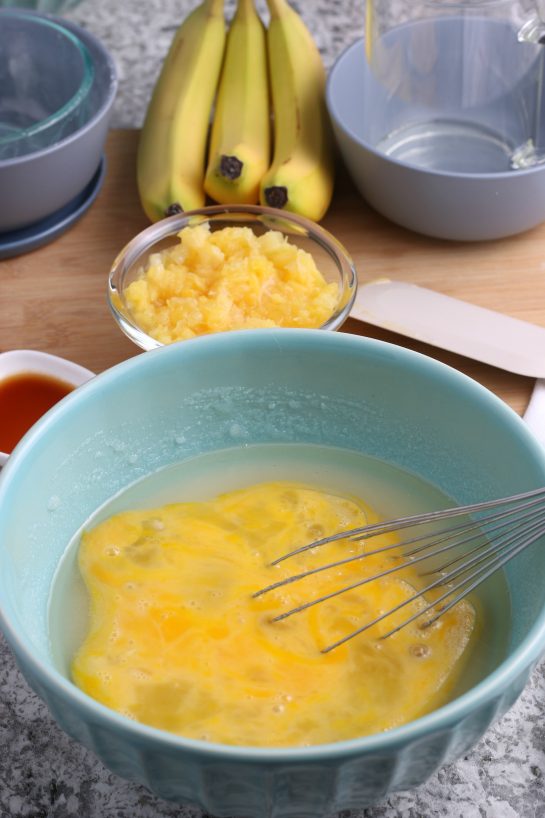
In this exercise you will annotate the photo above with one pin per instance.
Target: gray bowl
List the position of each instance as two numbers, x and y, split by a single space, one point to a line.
36 185
447 205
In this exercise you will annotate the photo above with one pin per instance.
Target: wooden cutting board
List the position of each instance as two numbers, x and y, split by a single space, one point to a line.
54 298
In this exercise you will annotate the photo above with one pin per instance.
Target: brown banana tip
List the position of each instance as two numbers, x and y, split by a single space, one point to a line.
231 167
276 196
174 209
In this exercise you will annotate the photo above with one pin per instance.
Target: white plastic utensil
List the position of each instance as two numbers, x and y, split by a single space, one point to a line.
535 412
437 319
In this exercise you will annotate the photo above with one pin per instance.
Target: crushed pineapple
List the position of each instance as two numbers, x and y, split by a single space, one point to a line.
213 281
176 640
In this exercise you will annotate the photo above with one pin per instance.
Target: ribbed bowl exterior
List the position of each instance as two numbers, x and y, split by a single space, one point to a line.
265 789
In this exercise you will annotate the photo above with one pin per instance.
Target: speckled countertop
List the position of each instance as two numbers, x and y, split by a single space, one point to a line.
43 773
138 33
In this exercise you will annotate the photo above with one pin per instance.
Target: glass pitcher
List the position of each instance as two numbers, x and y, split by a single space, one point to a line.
456 85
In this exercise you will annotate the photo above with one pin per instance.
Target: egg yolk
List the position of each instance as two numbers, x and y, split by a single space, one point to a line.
176 639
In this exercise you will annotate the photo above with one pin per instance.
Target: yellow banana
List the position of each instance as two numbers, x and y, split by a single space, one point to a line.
300 178
172 147
240 139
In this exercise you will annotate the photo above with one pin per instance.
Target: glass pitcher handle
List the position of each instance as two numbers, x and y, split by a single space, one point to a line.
532 152
533 29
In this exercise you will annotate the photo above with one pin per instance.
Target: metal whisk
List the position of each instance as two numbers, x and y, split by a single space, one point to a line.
500 530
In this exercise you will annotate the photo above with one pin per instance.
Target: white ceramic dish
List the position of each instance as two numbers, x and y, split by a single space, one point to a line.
19 361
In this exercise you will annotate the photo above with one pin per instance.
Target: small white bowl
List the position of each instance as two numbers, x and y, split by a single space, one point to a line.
20 361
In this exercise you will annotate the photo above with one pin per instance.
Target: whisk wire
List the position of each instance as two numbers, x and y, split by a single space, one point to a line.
400 523
478 577
450 534
486 572
442 580
499 536
498 543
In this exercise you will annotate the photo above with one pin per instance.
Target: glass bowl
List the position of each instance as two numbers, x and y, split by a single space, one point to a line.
46 75
330 257
35 186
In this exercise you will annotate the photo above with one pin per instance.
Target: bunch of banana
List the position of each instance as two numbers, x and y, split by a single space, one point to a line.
300 178
172 170
172 145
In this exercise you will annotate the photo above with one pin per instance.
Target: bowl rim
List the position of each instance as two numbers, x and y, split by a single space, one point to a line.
77 98
92 43
331 102
171 225
486 692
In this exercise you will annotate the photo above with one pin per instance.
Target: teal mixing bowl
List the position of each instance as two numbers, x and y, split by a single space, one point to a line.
232 390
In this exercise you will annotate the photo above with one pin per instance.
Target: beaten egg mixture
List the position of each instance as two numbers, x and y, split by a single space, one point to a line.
176 640
229 279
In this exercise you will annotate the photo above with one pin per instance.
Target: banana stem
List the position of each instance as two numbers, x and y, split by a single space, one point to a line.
245 7
214 7
278 8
